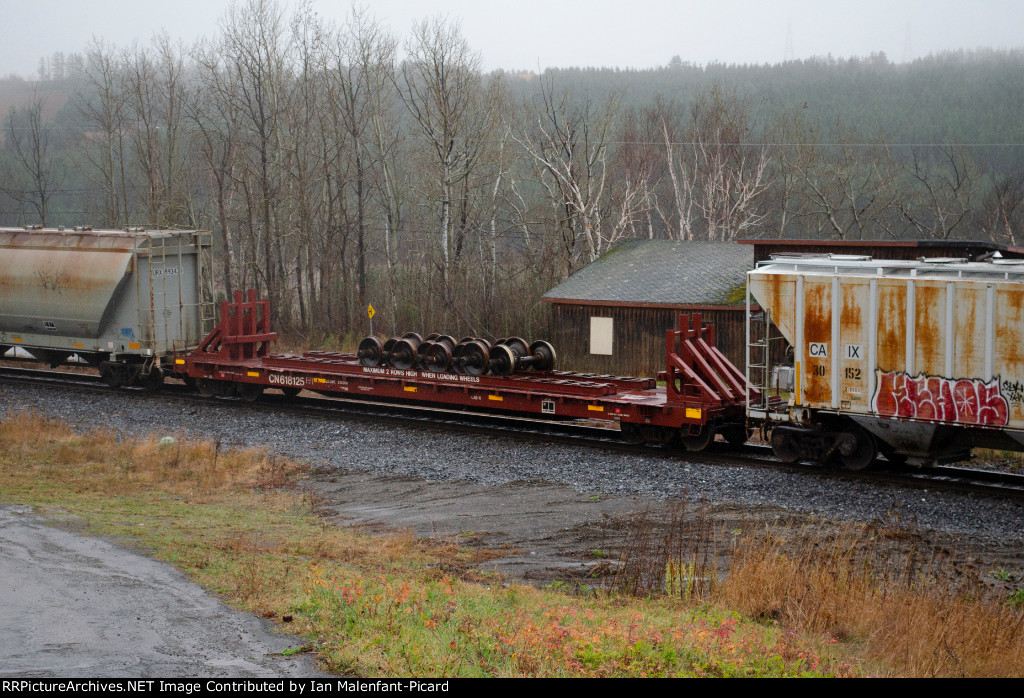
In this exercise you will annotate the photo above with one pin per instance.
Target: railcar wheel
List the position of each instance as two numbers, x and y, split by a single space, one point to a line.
544 356
153 380
209 387
736 435
862 454
110 375
250 392
784 448
421 354
403 356
631 433
698 441
502 360
371 352
518 346
474 358
437 358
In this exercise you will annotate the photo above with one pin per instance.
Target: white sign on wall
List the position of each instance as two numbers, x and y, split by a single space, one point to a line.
601 333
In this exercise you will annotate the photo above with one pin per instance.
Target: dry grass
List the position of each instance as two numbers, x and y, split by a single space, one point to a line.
107 461
903 611
900 610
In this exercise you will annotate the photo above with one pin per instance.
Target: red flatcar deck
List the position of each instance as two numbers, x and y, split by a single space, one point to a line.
701 389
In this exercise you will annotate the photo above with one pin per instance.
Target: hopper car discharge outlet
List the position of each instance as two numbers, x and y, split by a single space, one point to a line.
704 394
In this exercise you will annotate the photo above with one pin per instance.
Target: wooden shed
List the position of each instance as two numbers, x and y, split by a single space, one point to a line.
611 316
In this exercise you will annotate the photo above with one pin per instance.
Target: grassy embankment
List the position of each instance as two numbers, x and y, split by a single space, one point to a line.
398 606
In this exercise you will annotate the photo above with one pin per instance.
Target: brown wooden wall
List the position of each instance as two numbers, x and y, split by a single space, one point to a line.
638 343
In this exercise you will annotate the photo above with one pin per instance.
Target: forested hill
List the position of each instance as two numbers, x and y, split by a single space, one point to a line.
971 97
974 97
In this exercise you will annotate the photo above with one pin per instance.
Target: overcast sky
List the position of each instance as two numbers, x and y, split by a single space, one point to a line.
527 34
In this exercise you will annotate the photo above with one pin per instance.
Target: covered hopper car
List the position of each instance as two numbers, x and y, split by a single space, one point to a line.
923 360
123 301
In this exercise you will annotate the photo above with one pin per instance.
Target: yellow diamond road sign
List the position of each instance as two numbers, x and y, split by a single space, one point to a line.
370 312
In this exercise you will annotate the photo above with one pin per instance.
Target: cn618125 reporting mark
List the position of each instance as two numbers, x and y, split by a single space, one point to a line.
290 381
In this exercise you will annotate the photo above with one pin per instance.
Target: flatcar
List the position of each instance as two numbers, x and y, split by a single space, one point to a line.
703 394
124 301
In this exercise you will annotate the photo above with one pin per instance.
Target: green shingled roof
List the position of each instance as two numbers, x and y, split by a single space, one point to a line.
662 272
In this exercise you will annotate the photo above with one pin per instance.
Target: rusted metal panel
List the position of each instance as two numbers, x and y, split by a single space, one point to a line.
1009 347
892 306
919 341
817 321
67 239
852 349
969 317
930 327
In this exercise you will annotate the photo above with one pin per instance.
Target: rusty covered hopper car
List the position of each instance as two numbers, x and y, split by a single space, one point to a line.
123 301
923 360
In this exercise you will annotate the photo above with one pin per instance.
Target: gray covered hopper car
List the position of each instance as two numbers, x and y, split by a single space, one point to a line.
922 360
123 301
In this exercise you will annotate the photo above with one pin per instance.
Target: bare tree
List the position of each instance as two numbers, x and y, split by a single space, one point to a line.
719 178
1003 209
942 197
255 53
156 87
569 145
212 110
440 84
29 141
359 63
639 159
849 189
104 109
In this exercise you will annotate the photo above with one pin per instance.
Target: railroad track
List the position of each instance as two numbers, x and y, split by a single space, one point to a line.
947 478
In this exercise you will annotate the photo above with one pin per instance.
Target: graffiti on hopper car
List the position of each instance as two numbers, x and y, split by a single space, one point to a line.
969 401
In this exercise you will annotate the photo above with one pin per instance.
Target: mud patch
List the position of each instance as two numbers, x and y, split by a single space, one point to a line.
544 533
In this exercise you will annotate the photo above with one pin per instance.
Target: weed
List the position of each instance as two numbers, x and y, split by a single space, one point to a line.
1002 575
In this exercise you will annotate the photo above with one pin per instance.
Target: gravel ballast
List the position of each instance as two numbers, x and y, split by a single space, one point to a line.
435 454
